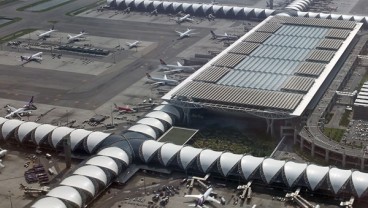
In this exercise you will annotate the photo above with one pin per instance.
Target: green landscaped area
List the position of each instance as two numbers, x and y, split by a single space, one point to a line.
15 35
177 135
345 119
11 21
88 7
233 140
334 134
44 5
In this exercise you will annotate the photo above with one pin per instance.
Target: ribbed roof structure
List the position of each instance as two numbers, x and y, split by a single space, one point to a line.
67 193
195 9
94 139
8 127
59 134
25 129
77 136
161 116
92 172
49 202
144 129
152 122
115 152
271 77
104 162
81 182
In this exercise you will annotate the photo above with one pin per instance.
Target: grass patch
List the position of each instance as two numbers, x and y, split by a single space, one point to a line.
345 119
231 139
43 10
85 8
178 135
31 5
3 2
16 35
334 134
17 19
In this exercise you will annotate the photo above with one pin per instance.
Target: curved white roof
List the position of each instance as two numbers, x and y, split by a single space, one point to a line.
94 139
166 4
77 136
161 116
315 175
176 5
59 133
42 131
81 182
67 193
26 128
49 202
347 17
216 8
293 171
115 152
187 154
236 10
2 120
118 2
338 177
128 2
147 3
9 126
195 7
105 162
324 16
93 172
258 11
168 109
168 150
249 164
268 12
138 2
153 122
149 148
247 10
271 168
226 9
144 129
186 6
228 161
205 7
360 182
335 16
207 158
358 18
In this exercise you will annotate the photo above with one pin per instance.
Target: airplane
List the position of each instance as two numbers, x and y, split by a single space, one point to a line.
202 198
187 33
185 18
35 57
176 68
77 37
223 37
133 45
3 152
124 109
23 111
162 81
46 34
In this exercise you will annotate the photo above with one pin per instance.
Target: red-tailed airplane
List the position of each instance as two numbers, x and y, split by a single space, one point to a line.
124 109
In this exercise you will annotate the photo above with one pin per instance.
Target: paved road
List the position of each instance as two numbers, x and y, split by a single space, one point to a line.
85 89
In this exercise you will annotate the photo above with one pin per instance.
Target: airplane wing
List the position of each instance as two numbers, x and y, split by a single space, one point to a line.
173 71
211 199
189 34
193 196
179 64
190 19
178 32
12 109
157 83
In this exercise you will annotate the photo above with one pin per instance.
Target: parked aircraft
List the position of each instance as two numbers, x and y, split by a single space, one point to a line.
23 111
187 33
35 57
162 81
185 18
3 152
202 198
223 37
46 34
124 109
176 68
77 37
133 45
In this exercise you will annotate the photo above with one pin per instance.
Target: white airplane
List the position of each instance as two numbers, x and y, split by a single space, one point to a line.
77 37
176 68
25 110
46 34
3 152
187 33
133 45
185 18
35 57
162 81
223 37
202 198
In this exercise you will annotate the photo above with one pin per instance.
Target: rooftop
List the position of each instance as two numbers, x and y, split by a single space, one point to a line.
275 68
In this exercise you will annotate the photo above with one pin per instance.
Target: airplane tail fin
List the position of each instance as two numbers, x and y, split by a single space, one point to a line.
162 62
148 75
213 34
116 106
52 28
22 58
30 101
